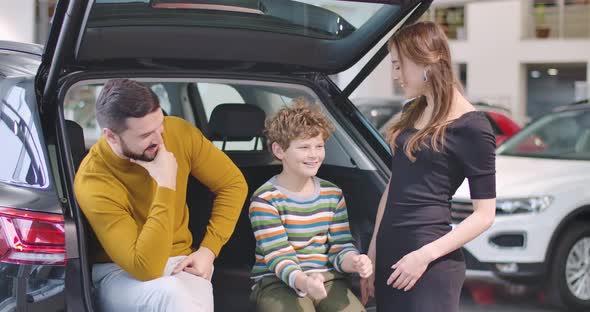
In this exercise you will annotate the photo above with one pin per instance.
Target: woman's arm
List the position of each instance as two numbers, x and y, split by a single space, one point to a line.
484 211
381 208
368 284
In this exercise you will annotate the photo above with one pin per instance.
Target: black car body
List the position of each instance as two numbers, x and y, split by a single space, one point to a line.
32 240
266 51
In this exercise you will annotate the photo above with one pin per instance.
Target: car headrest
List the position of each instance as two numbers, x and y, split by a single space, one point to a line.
236 122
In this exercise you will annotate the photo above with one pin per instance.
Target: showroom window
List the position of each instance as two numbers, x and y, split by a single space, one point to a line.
558 19
450 18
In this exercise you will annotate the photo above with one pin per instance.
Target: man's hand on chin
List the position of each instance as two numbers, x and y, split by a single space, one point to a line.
199 263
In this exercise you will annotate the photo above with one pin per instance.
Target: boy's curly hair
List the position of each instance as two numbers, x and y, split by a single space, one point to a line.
299 121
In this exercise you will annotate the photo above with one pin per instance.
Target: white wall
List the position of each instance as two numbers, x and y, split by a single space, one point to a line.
493 71
378 84
17 20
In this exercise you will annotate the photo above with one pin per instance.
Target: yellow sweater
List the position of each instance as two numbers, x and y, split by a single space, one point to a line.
140 225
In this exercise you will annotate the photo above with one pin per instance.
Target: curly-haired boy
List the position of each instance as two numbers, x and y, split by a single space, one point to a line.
303 240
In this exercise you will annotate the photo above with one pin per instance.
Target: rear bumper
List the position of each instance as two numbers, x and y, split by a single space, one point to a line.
31 288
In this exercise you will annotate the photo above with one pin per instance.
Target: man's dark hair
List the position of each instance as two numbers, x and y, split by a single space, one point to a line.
121 99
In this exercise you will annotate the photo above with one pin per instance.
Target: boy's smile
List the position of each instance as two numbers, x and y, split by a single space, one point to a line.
303 157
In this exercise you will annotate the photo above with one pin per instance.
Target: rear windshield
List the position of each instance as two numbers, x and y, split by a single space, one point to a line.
323 19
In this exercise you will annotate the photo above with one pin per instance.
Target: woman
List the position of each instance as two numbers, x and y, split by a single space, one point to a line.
438 141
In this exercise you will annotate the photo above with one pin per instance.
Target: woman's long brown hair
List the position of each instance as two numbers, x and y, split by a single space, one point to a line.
425 43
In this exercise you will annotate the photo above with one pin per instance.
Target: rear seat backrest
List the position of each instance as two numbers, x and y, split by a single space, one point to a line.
240 123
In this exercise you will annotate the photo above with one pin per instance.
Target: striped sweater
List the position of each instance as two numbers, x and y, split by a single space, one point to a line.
299 233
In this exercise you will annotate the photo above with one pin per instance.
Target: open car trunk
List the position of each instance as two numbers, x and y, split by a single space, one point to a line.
262 53
347 164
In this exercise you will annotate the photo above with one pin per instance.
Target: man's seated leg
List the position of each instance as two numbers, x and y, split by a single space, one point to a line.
116 290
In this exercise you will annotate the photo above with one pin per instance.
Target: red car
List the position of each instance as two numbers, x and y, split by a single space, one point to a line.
503 126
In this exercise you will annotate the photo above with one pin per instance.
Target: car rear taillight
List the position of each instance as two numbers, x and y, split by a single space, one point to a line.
31 237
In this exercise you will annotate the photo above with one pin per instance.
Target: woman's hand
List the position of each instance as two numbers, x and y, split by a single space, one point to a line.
367 288
409 269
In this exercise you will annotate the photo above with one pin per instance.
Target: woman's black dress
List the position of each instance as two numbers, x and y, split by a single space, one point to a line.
418 212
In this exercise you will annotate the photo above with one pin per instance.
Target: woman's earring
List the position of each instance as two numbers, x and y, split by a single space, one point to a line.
425 76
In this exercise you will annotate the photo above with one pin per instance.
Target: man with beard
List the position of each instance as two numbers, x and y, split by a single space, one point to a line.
132 189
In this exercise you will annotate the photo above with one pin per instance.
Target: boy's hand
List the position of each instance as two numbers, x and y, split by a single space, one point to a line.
361 264
312 284
315 286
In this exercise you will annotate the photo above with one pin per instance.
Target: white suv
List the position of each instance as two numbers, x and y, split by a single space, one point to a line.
542 229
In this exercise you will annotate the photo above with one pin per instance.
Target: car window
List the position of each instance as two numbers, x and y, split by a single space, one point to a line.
564 135
162 94
22 160
270 98
213 94
205 95
80 105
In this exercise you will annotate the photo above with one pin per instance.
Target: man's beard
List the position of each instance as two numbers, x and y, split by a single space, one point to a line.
129 154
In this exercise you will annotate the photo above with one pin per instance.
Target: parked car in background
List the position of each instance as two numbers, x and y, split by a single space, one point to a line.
541 234
380 112
202 59
503 125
